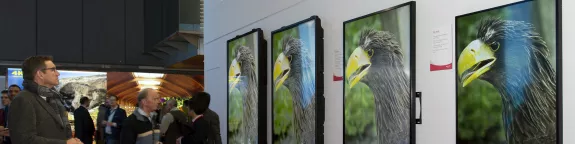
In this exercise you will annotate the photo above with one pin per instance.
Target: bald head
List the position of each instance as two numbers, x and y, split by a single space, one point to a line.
148 99
172 103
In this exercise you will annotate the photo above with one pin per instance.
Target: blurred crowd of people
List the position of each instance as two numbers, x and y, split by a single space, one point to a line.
37 114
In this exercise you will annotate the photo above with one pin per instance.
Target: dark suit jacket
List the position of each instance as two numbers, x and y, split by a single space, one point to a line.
83 124
101 117
119 117
201 131
214 121
33 121
2 116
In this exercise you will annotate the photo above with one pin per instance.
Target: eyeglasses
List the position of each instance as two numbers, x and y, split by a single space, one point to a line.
53 69
14 91
4 97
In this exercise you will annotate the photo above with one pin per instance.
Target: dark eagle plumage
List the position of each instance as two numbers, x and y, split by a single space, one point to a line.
246 59
524 78
301 84
390 85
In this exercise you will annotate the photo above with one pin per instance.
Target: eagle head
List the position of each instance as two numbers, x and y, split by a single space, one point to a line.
501 47
289 56
376 48
243 55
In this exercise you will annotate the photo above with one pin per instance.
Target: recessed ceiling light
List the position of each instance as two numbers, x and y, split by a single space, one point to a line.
149 82
148 75
152 87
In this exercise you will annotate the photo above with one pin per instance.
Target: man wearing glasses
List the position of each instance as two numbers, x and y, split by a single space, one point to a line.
37 114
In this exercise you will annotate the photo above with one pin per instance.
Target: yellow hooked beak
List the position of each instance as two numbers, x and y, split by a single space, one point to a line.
357 66
476 59
281 70
234 74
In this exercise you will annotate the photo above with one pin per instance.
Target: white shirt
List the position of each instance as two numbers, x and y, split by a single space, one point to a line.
142 112
198 116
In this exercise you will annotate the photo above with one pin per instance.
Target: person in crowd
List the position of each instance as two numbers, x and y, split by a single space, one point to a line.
13 90
158 114
114 120
186 108
214 121
173 123
83 122
202 132
102 109
5 101
139 126
37 114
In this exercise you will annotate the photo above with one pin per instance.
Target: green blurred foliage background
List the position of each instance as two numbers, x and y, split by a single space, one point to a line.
359 106
479 106
235 109
282 99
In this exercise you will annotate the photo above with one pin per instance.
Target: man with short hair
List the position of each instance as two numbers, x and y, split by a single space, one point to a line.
172 125
13 90
114 121
37 114
202 132
83 122
139 127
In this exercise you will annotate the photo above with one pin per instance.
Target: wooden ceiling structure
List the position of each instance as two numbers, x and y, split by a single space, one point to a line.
125 85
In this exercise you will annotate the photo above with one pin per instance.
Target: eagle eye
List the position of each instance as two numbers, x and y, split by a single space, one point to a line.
370 52
289 58
495 46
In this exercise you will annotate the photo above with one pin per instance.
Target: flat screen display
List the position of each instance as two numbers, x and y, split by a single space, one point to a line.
379 77
73 85
246 92
508 74
296 84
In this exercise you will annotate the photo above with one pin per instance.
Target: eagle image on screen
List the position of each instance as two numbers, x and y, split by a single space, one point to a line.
377 87
243 90
506 74
294 84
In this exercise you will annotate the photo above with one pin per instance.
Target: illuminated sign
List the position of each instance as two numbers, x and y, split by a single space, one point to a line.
14 76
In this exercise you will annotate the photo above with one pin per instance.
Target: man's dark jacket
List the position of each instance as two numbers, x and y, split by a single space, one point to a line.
138 129
101 117
202 133
214 121
178 127
84 125
32 120
119 117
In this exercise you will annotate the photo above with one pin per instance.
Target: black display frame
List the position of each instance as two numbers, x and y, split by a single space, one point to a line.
412 67
558 61
262 86
319 73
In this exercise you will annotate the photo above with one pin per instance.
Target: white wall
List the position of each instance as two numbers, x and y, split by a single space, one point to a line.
227 18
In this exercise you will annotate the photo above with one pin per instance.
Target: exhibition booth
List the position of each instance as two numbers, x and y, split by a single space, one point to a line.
97 86
393 71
